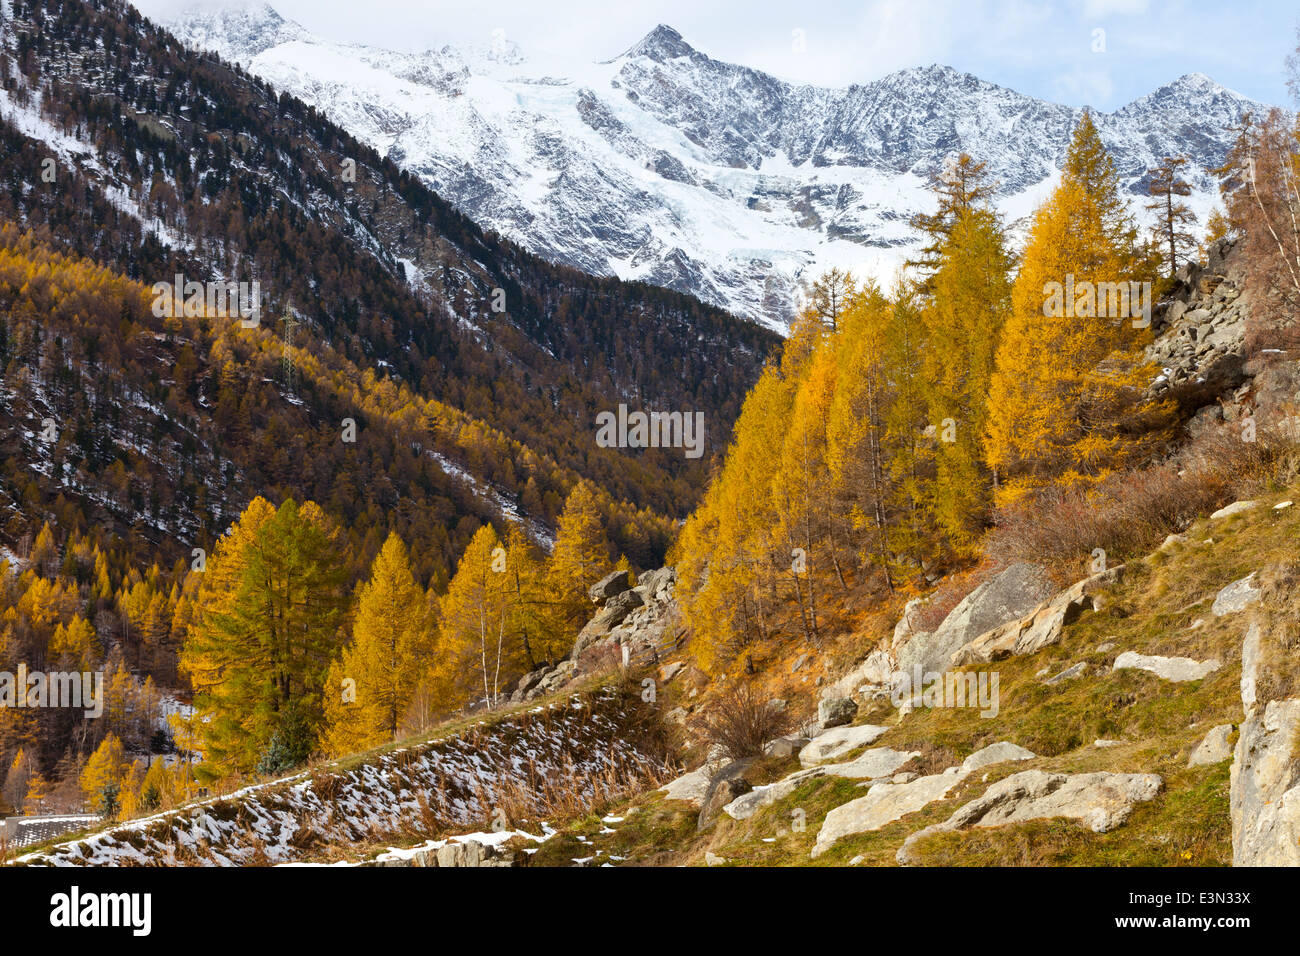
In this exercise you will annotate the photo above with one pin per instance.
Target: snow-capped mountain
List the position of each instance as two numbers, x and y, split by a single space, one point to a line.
670 167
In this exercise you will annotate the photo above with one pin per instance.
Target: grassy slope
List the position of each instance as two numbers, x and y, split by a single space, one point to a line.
1153 609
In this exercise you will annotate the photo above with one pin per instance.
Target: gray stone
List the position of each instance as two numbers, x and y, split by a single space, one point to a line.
786 746
1215 747
1101 801
1041 627
1009 595
1236 508
836 712
616 582
747 804
999 752
1264 792
1176 669
727 787
832 744
1237 596
1074 670
883 804
871 764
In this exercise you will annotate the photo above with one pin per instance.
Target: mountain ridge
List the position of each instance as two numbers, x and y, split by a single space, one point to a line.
668 166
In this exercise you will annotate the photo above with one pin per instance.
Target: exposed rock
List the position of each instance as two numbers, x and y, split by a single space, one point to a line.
999 752
616 609
728 785
747 804
886 802
669 671
1070 673
1101 801
786 746
1007 596
1265 787
1175 669
1039 628
1236 508
836 712
1215 747
798 663
1237 596
833 744
871 764
616 582
883 804
1102 743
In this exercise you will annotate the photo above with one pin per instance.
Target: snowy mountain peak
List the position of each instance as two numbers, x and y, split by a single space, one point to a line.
666 166
661 43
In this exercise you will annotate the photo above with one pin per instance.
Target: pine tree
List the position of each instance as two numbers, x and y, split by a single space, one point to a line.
104 771
474 619
265 630
1067 380
970 304
390 654
1173 218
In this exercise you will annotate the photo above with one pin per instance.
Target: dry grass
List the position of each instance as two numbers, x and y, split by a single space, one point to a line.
1129 514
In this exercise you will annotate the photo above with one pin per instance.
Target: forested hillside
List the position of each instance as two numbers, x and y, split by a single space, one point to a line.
409 378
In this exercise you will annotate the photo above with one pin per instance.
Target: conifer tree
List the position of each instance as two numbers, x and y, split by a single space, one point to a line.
581 556
390 654
474 621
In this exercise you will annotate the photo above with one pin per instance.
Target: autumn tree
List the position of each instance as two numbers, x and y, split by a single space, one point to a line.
971 299
1065 399
960 185
373 683
474 620
581 556
264 632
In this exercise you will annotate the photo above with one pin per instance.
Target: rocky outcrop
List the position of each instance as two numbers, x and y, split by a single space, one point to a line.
1215 747
1176 669
833 744
643 619
887 802
1005 597
1041 627
1264 793
1101 801
1237 596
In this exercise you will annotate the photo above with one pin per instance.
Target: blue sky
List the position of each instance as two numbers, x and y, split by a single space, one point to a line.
1047 48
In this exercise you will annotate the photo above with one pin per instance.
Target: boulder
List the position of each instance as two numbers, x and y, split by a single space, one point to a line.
1264 793
832 744
836 712
616 582
726 787
871 764
1101 801
1215 747
1176 669
1000 752
1236 508
1041 627
1237 596
883 804
786 746
747 804
1007 596
1070 673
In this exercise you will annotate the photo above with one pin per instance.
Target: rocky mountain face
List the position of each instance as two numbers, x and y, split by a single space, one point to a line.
667 166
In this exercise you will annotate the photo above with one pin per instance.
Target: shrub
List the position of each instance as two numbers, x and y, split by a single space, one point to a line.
740 723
